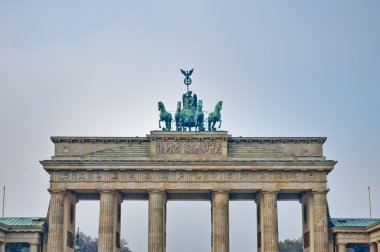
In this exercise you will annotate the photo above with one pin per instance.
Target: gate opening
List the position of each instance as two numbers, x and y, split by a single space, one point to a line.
243 226
188 226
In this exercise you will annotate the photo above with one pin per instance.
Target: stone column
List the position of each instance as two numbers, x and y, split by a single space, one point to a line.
378 246
267 221
107 221
342 247
157 221
320 221
33 247
55 233
2 247
220 221
372 247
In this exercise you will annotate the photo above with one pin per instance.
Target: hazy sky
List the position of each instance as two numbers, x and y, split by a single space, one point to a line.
282 68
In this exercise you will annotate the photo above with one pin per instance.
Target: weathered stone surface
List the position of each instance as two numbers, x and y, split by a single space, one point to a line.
191 165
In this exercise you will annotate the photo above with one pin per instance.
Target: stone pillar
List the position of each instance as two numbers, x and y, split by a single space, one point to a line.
320 221
220 221
267 221
56 229
342 247
2 247
372 247
157 221
33 247
69 211
378 246
109 222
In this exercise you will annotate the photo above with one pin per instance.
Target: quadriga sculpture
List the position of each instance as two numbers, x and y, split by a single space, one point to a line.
164 116
215 117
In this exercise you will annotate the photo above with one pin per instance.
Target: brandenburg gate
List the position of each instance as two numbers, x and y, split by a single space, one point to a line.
187 165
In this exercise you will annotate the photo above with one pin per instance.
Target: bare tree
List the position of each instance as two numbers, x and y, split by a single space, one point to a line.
86 243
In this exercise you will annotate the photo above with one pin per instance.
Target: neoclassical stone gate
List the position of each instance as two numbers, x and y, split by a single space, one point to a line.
188 165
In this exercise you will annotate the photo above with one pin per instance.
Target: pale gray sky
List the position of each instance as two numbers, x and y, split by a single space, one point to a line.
282 68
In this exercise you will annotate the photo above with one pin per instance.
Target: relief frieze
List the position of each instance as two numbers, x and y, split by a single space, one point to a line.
188 148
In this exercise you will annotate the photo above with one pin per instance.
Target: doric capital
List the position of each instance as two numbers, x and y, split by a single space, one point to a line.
269 191
56 191
156 191
320 191
218 191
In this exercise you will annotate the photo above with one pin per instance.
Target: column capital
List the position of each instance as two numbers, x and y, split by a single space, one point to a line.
156 191
269 191
56 191
320 191
227 191
109 192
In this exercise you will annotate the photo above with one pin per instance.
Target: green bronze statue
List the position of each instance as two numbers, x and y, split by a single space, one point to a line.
215 117
190 113
199 117
178 117
164 116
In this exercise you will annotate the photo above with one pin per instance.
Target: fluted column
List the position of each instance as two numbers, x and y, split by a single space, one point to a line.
106 221
56 228
157 221
33 247
342 247
220 221
320 221
268 221
2 247
372 247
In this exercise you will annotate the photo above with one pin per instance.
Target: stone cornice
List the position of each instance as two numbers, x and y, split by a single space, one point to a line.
73 139
319 140
326 165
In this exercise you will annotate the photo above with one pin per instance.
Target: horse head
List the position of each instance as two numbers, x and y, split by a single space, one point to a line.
200 106
160 106
178 106
218 105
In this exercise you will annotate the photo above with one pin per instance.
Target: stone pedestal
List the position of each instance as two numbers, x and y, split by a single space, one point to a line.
56 216
320 221
109 222
342 248
267 221
220 221
157 221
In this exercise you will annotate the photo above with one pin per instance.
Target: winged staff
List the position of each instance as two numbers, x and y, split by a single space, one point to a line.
187 75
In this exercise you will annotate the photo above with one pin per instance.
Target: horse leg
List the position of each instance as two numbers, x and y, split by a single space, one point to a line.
159 124
220 123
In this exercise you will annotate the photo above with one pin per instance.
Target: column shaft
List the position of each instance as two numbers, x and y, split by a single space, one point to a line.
2 247
106 222
220 221
157 221
55 233
378 246
33 247
269 222
320 222
342 248
372 247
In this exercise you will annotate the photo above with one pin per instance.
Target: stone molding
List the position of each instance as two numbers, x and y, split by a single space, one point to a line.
188 176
